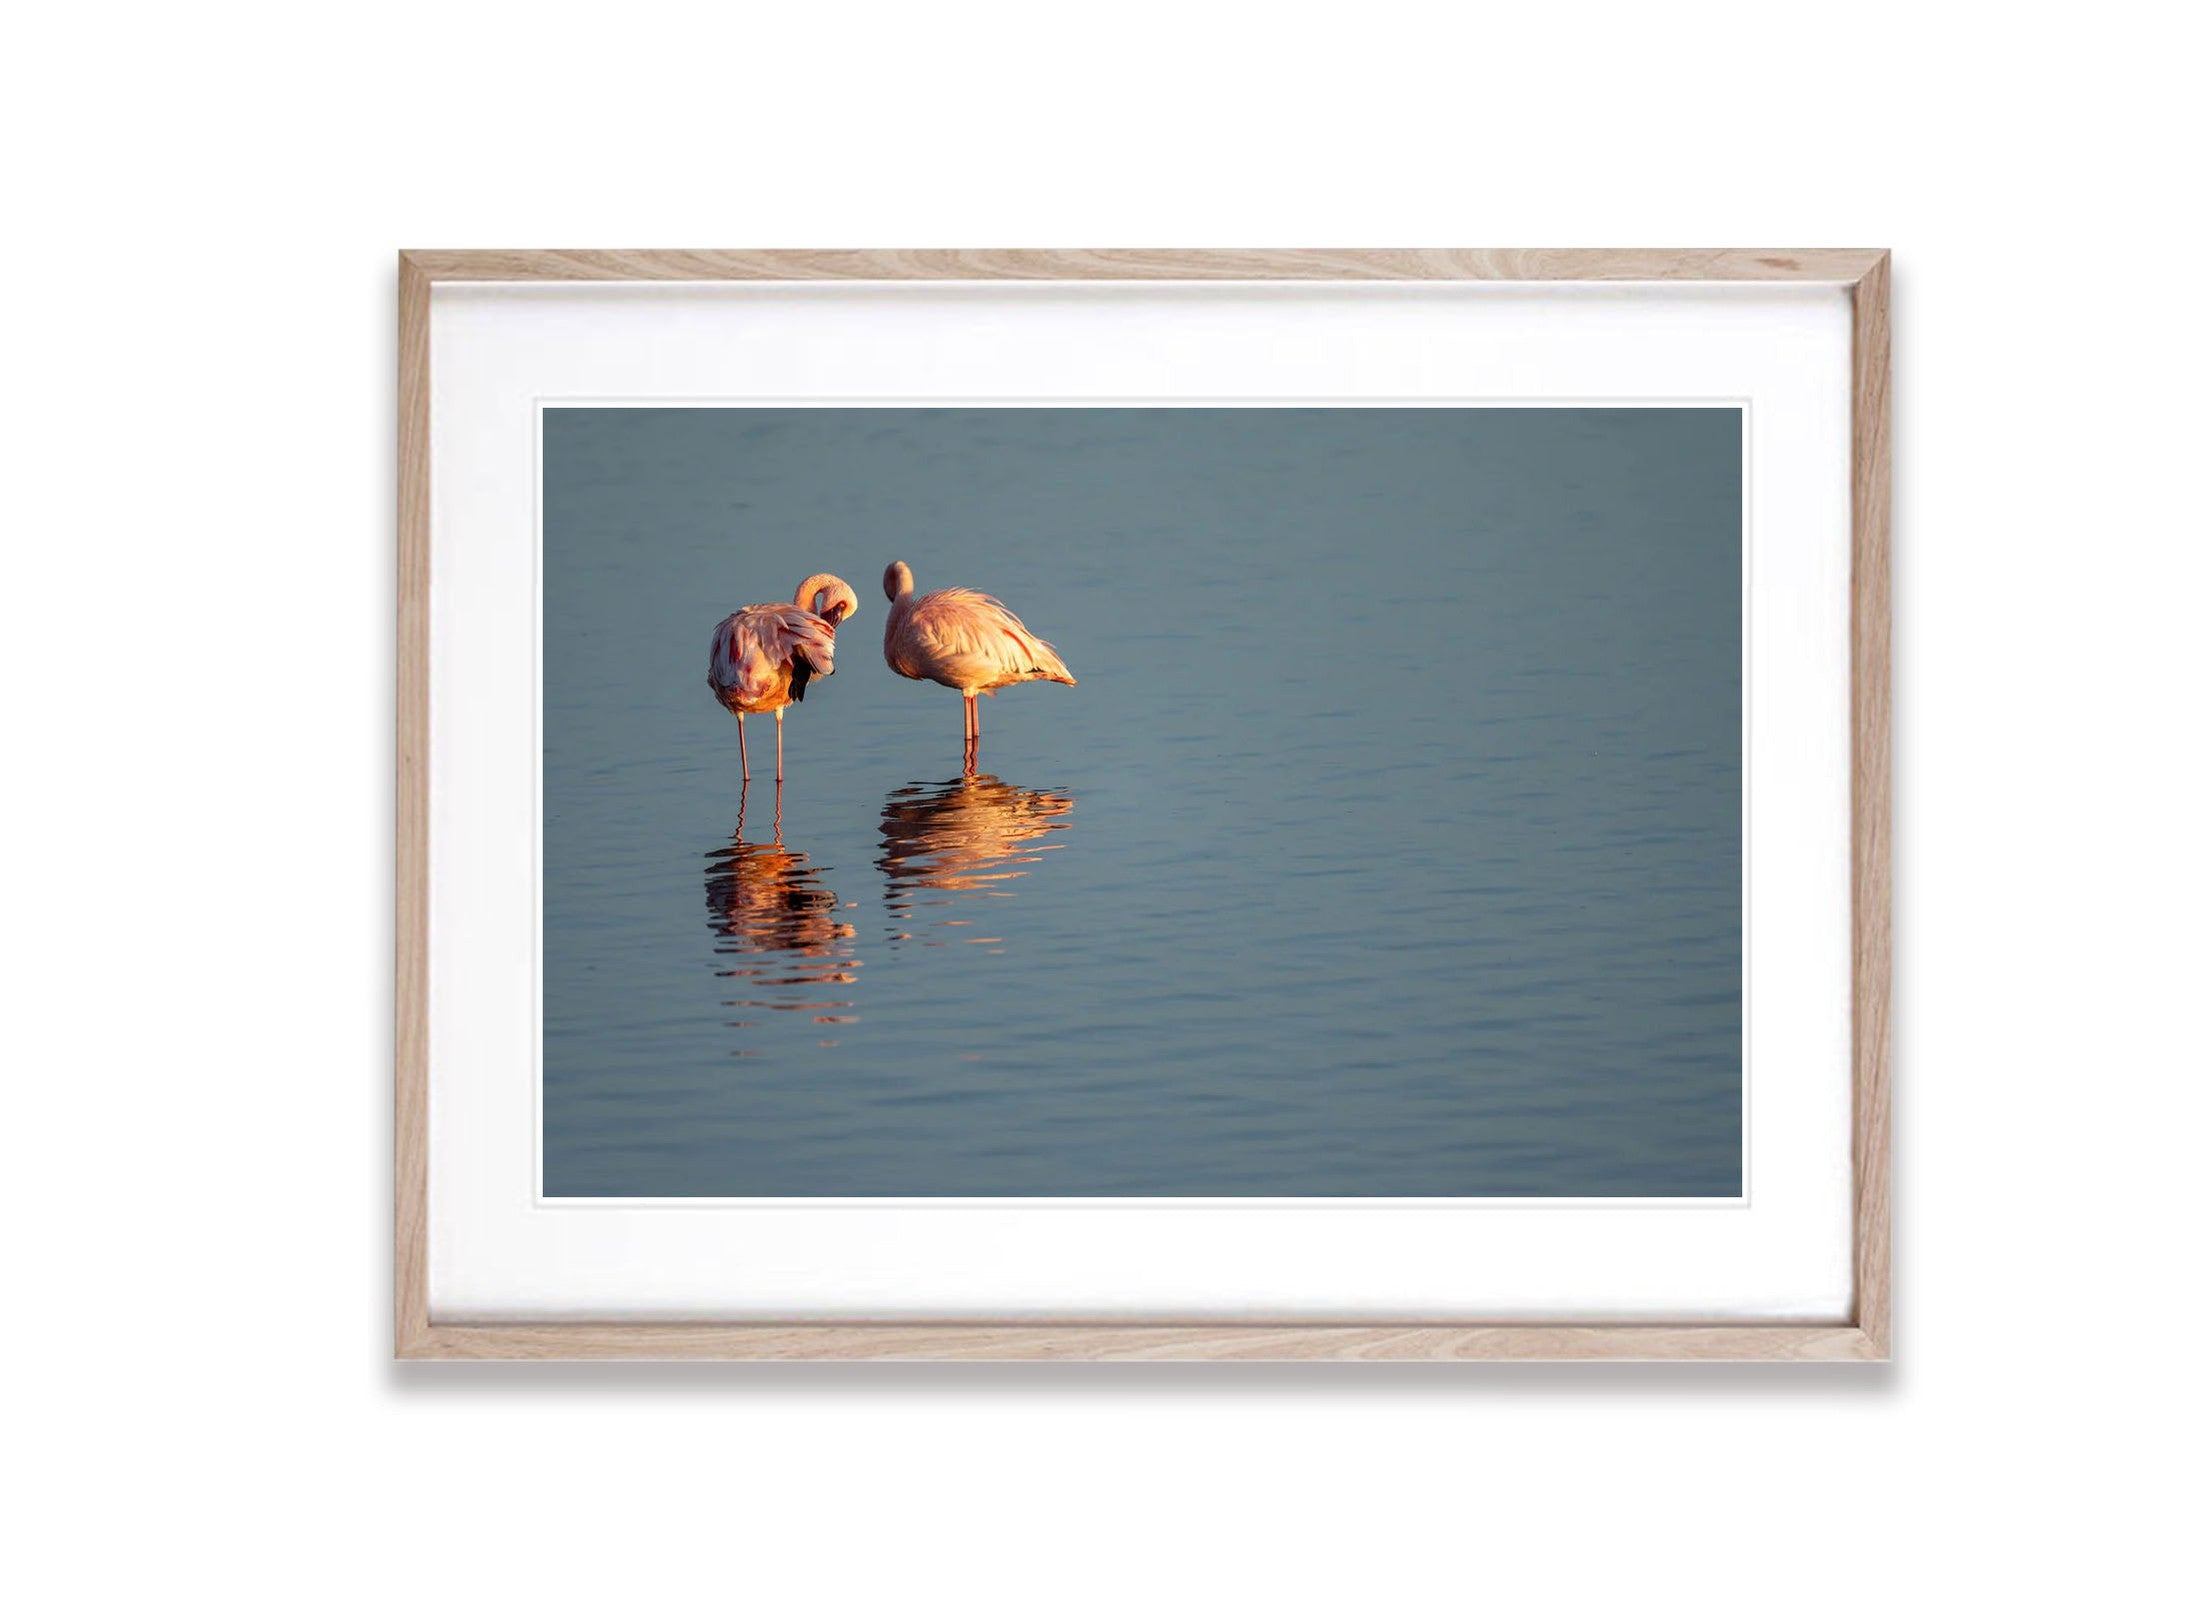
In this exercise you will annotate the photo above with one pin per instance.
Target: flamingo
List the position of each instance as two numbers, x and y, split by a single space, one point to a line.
763 656
965 640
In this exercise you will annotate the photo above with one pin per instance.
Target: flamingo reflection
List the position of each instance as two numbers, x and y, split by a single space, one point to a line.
949 844
777 923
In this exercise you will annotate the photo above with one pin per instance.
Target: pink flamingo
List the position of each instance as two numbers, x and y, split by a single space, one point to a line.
763 656
966 640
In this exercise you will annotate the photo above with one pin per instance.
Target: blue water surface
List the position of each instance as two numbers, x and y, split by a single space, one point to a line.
1390 845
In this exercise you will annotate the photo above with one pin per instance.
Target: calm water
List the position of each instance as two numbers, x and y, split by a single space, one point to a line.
1391 844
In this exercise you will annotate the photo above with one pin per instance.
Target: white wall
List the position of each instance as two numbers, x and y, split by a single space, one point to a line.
197 600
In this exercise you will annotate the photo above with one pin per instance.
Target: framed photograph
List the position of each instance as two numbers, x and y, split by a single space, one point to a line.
1399 868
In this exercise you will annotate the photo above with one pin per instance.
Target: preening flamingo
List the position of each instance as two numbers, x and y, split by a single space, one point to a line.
763 656
966 640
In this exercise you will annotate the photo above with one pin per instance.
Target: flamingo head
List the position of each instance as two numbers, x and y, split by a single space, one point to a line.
899 580
826 596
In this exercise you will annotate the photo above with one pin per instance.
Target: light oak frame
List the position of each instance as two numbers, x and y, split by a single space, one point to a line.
1864 1335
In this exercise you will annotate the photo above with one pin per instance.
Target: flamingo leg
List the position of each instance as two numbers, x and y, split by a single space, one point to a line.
740 722
779 719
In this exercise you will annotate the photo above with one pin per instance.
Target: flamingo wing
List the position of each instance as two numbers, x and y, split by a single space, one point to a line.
970 640
759 647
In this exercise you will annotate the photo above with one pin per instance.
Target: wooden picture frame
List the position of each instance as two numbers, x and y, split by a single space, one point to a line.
1862 1336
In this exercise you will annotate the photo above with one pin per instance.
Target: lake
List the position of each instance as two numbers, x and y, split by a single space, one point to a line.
1390 845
